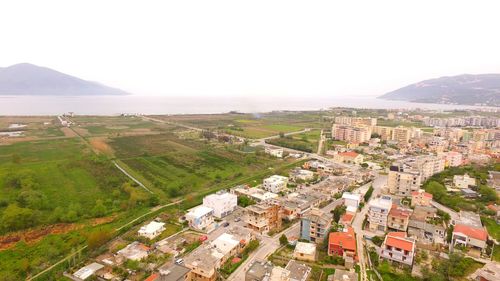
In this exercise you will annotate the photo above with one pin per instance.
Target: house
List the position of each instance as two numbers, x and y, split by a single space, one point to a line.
298 271
223 203
463 181
346 220
343 275
469 193
350 157
351 199
398 247
420 198
152 229
489 272
301 174
424 231
305 251
398 218
275 184
378 212
201 218
88 270
260 270
174 272
342 244
256 194
226 246
273 151
134 251
314 225
263 217
203 263
469 236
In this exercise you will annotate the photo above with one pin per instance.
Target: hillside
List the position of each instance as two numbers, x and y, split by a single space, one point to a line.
467 89
29 79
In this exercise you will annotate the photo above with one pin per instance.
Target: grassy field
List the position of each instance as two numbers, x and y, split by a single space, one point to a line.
307 141
492 226
35 126
174 167
115 125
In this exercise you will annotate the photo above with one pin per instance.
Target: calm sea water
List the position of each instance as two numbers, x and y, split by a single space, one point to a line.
111 105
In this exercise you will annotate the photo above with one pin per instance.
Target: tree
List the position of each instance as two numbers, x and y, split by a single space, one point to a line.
449 234
15 218
283 240
338 212
368 193
97 238
154 200
364 165
99 209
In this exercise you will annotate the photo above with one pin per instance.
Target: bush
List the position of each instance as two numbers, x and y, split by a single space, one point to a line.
368 193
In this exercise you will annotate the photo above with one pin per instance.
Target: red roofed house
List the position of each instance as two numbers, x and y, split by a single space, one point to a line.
469 236
342 244
420 198
398 218
398 247
349 157
346 220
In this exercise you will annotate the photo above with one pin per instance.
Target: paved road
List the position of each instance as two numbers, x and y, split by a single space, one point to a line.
453 215
379 182
131 177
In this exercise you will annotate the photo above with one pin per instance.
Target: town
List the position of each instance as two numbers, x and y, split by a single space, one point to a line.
398 196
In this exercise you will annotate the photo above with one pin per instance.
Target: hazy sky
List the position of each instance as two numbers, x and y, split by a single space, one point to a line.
253 47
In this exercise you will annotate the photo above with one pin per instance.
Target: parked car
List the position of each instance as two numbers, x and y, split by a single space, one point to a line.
237 219
225 224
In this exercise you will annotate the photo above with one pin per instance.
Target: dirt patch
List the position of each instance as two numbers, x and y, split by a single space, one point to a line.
82 131
100 145
68 132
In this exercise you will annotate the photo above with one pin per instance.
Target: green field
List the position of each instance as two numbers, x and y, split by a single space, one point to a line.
307 141
174 167
115 125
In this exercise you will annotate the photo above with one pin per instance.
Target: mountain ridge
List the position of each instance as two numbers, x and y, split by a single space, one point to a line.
30 79
466 89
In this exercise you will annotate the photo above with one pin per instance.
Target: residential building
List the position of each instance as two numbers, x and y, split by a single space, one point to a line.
173 272
315 225
343 244
88 271
402 180
273 151
343 275
201 218
152 229
261 270
398 218
424 231
263 217
227 246
275 184
349 157
469 236
453 159
463 181
203 263
420 198
298 271
356 121
401 134
346 220
351 199
489 272
300 174
385 133
378 213
134 251
256 194
352 134
398 247
223 203
305 251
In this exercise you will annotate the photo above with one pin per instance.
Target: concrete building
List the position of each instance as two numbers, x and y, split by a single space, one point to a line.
401 134
489 272
134 251
152 229
174 272
402 180
256 194
385 133
298 271
305 251
261 270
314 225
275 184
378 213
398 218
343 244
356 121
263 217
351 199
463 181
200 218
223 203
88 271
453 159
352 134
420 198
398 247
300 174
349 157
469 236
343 275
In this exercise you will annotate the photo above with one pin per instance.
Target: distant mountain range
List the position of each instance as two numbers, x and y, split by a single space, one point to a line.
467 89
29 79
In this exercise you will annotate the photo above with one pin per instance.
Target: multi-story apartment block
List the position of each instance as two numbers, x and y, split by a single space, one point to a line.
315 225
223 203
378 213
354 134
385 133
275 183
401 134
263 217
398 247
402 180
355 121
452 158
398 218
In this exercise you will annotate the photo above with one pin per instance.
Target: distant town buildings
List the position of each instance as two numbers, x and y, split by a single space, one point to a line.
351 133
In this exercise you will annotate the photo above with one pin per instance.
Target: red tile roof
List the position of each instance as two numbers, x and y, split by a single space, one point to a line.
398 212
349 154
399 240
347 218
152 277
426 194
344 239
472 232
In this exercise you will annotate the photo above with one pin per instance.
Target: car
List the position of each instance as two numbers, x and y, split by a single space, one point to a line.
225 224
179 261
237 219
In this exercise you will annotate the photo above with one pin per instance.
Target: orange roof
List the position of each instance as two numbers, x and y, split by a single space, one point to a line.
152 277
349 154
473 232
344 239
347 218
144 247
425 194
398 212
398 240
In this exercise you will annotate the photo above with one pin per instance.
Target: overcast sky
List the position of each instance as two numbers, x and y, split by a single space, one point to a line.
253 47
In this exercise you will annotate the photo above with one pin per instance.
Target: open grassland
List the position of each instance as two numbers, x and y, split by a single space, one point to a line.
252 125
34 127
307 141
174 167
115 125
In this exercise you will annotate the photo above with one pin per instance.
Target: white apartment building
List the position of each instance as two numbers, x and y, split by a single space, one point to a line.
351 199
378 212
200 218
463 181
223 203
275 183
